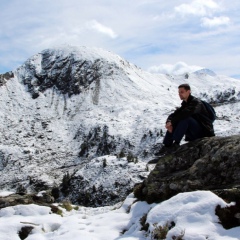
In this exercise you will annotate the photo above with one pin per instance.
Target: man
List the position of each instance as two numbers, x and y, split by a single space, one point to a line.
191 120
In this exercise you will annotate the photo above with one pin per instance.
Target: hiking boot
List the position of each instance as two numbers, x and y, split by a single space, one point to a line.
163 151
174 147
168 149
154 160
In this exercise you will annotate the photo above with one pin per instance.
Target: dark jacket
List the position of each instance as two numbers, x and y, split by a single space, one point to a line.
193 108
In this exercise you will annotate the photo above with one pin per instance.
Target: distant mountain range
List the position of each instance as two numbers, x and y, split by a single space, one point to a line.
65 109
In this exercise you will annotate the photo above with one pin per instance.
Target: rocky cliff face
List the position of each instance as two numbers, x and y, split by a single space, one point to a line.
206 164
64 72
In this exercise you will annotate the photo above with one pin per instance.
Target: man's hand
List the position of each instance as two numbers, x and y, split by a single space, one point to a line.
169 127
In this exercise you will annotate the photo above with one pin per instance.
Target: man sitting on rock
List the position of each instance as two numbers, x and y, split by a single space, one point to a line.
191 119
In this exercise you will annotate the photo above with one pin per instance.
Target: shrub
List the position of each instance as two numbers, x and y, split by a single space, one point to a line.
104 162
76 208
161 133
84 149
67 205
56 210
160 232
59 212
121 154
132 158
142 221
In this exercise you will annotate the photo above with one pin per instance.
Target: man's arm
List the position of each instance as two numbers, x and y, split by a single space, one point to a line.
169 125
193 107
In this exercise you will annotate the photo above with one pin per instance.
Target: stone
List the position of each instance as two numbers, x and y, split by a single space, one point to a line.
25 231
205 164
15 199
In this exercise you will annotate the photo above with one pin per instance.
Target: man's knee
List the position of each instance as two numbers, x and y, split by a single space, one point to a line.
187 121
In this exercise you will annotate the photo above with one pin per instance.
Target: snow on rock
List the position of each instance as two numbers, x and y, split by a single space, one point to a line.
193 215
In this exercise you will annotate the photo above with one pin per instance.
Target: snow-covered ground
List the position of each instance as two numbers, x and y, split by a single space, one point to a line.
191 214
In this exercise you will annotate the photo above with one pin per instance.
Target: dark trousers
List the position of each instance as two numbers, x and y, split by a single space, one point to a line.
188 127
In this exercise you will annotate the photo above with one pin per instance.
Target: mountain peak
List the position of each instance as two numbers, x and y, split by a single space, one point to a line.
84 53
70 69
206 72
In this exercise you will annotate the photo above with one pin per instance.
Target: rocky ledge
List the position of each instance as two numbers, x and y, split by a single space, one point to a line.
206 164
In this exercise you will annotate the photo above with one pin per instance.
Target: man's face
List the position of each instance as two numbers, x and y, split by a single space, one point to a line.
183 94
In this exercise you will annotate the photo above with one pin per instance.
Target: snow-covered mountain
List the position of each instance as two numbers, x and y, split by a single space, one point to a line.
66 108
206 72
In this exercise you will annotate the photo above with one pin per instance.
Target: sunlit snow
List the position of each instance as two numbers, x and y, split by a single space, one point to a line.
193 214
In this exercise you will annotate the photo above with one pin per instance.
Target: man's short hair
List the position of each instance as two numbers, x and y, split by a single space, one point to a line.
185 86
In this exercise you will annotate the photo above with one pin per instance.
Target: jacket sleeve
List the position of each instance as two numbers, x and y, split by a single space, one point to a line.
172 115
186 110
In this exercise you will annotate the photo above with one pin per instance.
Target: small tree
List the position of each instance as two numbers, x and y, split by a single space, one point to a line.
104 162
161 132
131 158
65 182
121 154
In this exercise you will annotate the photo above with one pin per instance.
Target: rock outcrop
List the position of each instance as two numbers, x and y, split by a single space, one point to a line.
4 77
63 72
46 199
206 164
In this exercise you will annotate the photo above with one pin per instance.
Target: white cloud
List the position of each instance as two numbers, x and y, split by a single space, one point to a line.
176 69
145 32
198 7
101 28
216 21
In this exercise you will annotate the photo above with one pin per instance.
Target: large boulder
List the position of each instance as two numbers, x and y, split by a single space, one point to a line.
205 164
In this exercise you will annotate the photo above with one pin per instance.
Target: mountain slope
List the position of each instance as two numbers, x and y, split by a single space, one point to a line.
64 107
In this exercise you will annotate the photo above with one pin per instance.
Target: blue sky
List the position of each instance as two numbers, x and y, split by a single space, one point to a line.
156 35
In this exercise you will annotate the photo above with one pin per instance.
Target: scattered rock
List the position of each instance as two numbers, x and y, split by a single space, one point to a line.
229 216
25 231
